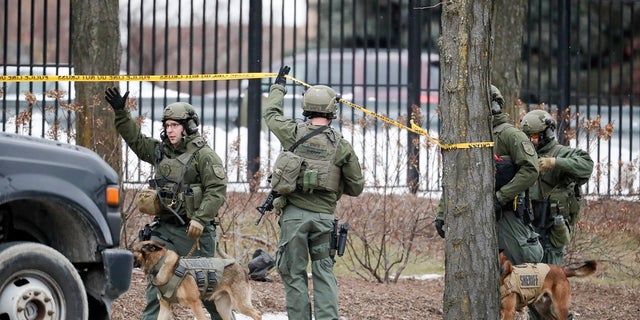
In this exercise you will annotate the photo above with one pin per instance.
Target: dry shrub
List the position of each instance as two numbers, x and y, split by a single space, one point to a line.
608 231
388 232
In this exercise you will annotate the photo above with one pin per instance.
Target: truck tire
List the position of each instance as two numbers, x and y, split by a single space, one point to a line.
38 282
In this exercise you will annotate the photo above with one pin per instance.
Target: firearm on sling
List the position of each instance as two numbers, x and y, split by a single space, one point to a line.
267 205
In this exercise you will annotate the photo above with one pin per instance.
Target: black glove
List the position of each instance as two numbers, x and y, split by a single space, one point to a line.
439 224
280 79
113 97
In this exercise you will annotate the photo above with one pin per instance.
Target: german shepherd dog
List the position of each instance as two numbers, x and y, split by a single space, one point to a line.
544 287
232 291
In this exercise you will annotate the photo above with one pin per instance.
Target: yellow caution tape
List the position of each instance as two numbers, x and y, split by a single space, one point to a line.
164 77
232 76
414 127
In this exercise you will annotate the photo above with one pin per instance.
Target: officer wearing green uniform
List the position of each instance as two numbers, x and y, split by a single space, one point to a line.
306 216
189 178
516 236
556 194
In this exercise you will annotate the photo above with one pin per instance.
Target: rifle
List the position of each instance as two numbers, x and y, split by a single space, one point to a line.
145 233
267 205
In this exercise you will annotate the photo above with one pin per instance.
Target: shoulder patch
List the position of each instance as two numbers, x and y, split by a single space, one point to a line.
528 148
218 170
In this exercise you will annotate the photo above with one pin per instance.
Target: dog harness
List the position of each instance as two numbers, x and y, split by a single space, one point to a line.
525 280
205 271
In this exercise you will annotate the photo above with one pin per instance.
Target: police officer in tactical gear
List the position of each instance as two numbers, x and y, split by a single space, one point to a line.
330 169
189 178
556 195
516 236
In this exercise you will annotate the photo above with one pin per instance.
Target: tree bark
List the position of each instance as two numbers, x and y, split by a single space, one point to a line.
471 272
508 19
96 50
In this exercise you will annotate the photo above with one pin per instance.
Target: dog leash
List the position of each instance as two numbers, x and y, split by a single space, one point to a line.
196 244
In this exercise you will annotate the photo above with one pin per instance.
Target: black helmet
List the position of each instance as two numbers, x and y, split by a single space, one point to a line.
184 113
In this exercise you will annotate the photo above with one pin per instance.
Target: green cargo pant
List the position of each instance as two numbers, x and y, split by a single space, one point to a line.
302 234
519 242
175 238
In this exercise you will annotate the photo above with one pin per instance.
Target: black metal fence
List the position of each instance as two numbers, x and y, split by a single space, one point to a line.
581 53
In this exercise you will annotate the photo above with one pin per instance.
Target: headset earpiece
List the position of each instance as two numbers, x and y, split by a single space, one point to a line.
191 127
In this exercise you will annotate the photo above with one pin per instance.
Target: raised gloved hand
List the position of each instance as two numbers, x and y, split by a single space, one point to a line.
280 79
195 230
546 163
439 227
113 97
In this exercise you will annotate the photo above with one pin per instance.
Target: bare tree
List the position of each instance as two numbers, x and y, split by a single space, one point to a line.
507 23
96 49
471 267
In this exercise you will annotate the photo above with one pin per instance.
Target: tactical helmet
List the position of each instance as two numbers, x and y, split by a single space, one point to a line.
497 101
184 113
320 99
539 122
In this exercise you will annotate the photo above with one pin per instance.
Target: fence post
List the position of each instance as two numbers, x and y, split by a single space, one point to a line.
254 103
564 65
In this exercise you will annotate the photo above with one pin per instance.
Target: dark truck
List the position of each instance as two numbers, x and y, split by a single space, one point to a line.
59 232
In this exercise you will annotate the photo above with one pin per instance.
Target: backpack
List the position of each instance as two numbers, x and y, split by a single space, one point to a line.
287 167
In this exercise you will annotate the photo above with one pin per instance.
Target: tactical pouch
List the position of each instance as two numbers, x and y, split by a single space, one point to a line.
148 202
286 170
310 180
278 204
192 199
559 235
567 204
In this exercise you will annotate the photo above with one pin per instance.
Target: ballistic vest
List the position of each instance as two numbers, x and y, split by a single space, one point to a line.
526 281
205 272
318 170
170 174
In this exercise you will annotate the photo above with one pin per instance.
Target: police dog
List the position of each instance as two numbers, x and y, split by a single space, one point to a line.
543 287
232 291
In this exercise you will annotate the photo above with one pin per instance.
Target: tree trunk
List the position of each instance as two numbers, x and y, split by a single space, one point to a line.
507 23
96 50
471 272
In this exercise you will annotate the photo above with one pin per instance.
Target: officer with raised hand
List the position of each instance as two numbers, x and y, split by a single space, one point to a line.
517 170
556 195
330 168
190 181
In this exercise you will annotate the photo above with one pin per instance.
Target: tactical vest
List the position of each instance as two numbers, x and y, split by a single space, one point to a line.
318 171
205 271
560 194
170 174
526 281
